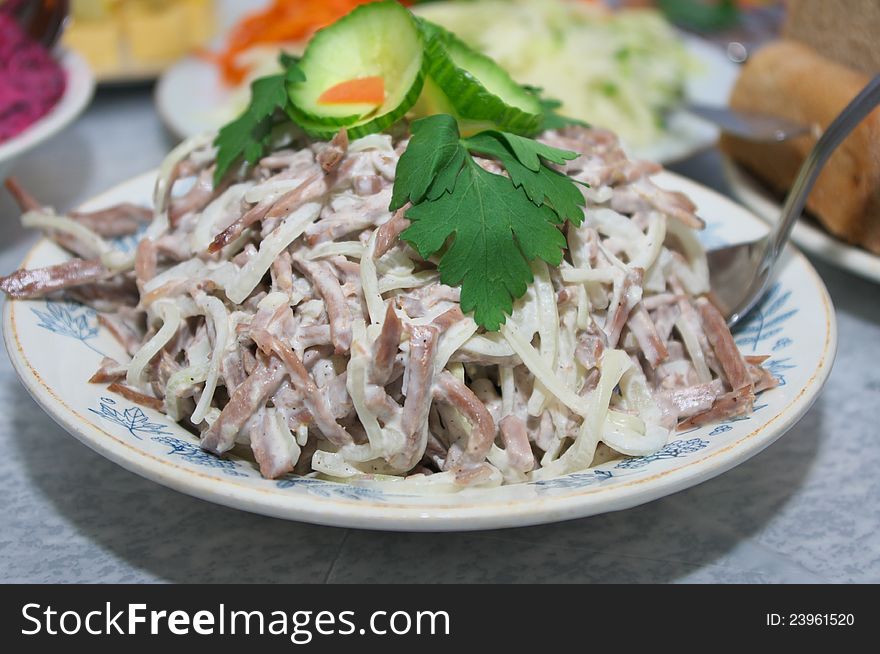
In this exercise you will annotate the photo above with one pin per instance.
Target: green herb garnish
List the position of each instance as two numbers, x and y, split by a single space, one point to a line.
247 137
555 120
496 224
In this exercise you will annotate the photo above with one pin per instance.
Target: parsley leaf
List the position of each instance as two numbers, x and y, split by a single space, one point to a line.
245 136
267 94
290 64
541 184
430 162
496 224
529 152
496 231
248 135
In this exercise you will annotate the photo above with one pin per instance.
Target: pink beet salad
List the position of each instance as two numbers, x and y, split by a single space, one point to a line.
31 81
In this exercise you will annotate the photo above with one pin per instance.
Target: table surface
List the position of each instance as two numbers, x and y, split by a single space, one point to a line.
807 509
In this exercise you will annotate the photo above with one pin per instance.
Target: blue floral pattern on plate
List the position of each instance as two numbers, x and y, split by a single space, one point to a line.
70 320
777 367
74 320
331 489
138 425
129 242
762 330
766 321
575 480
197 456
133 418
673 450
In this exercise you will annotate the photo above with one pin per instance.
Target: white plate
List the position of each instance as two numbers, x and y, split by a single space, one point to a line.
77 94
191 99
56 347
807 233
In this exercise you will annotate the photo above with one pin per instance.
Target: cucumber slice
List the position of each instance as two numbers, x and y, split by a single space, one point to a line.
477 88
317 130
434 101
378 39
359 129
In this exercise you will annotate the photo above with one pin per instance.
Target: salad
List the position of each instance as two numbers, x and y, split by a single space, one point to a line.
31 81
489 293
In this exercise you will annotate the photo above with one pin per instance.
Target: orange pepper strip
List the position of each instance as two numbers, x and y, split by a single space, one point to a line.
282 20
364 90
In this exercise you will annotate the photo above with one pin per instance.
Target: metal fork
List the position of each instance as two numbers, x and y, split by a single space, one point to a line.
747 124
739 274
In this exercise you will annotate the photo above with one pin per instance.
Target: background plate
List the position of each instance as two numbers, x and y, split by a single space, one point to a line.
807 233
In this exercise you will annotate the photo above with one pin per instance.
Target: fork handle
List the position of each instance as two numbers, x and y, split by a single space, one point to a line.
837 131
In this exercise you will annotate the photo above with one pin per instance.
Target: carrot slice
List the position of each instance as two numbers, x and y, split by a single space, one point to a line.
364 90
280 22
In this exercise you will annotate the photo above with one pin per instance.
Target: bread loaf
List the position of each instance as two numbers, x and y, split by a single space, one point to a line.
792 80
845 31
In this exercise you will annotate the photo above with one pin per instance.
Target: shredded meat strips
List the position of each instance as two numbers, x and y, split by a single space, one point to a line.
347 355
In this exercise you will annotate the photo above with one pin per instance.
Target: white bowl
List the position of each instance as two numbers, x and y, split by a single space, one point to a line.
77 94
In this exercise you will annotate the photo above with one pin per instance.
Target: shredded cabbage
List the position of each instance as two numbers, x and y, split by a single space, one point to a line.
541 370
272 246
621 70
171 321
216 312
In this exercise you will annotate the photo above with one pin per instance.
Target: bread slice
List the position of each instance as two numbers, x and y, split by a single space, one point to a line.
791 80
845 31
